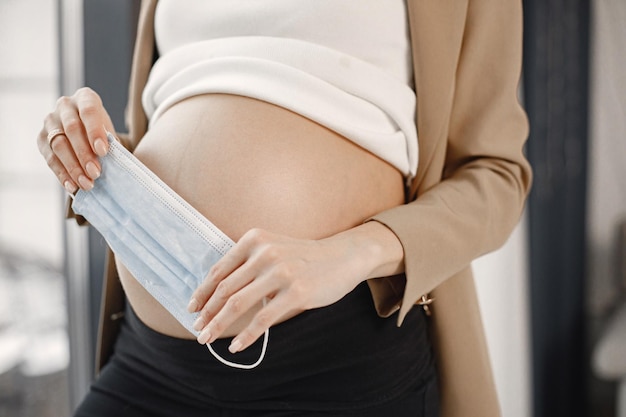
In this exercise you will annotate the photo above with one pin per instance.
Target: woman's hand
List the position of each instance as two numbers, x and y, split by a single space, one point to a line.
294 274
72 138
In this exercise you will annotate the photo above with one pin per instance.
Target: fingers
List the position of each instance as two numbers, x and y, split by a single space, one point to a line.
54 163
73 154
95 120
263 320
272 311
224 295
74 150
236 305
66 165
233 259
249 272
218 272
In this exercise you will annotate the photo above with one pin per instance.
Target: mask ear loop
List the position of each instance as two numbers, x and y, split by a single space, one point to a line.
266 338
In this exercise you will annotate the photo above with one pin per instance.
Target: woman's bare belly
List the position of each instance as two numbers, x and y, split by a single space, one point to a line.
244 163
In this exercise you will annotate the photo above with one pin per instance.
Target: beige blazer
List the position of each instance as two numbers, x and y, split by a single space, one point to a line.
469 192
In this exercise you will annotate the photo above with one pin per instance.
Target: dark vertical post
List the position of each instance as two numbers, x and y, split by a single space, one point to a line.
556 53
109 34
110 28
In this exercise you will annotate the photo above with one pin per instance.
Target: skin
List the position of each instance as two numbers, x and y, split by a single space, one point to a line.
298 265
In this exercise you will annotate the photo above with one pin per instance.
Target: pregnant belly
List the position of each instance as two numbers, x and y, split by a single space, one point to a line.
244 163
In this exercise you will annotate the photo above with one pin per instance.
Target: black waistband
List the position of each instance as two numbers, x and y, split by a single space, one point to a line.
339 356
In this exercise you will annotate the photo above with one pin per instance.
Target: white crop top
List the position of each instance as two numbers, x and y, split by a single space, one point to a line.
346 64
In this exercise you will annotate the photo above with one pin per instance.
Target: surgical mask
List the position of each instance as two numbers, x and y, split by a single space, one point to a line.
164 242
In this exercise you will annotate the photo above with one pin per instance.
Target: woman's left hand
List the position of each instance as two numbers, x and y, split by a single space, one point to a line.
294 274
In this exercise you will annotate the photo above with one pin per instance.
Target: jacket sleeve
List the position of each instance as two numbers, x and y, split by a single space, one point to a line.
485 177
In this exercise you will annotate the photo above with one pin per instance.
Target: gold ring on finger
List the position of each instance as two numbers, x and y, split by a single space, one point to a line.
53 134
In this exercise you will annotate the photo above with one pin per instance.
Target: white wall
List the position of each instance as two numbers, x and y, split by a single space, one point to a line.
607 161
502 285
607 175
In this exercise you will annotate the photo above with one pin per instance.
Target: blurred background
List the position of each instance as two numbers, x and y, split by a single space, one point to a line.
34 349
552 298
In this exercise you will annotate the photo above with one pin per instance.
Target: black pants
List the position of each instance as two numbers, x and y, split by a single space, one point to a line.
341 360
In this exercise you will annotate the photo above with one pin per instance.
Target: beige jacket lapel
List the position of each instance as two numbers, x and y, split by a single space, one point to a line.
436 38
143 56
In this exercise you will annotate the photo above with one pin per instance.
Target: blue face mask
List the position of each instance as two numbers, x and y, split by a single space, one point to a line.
165 243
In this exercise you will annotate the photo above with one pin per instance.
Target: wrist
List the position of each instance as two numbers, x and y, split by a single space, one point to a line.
386 250
373 250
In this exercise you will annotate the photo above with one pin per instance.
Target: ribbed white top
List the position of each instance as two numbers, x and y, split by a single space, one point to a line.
345 64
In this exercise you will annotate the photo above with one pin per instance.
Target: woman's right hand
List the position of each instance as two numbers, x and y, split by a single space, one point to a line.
72 138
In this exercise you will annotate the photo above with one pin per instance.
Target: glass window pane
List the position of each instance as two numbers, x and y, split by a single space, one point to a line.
34 352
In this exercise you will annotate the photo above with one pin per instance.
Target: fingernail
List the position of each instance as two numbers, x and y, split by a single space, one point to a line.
85 183
235 346
92 170
204 336
100 147
198 324
192 306
69 187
